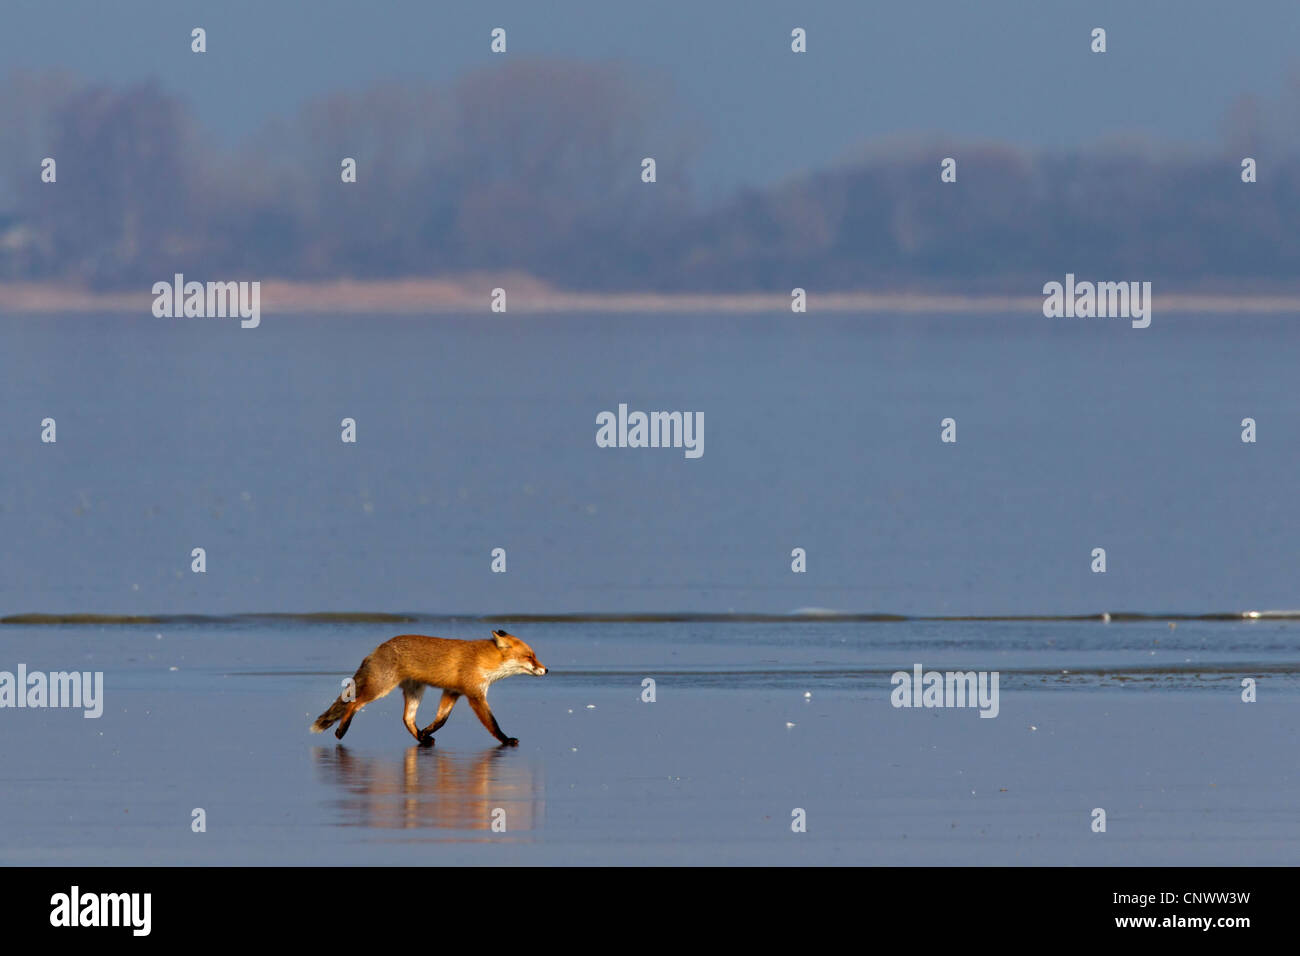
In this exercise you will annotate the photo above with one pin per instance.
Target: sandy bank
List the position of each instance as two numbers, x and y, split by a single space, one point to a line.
526 294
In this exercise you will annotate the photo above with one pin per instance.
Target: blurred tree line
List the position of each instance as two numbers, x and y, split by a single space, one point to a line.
536 167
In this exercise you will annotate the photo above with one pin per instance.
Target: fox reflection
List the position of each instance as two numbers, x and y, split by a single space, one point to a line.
434 788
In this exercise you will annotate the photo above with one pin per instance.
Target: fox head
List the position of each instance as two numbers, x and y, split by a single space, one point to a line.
519 657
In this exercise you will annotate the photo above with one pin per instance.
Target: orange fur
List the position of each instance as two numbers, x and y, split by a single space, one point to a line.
461 668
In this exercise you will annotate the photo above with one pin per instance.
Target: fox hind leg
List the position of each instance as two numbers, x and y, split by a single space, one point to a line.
449 698
346 722
412 691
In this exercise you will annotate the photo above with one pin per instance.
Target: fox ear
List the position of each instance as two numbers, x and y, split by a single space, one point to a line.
499 638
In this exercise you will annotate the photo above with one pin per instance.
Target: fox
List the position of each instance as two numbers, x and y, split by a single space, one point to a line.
459 668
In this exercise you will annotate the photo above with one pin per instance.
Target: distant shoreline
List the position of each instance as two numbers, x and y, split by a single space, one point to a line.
807 615
529 295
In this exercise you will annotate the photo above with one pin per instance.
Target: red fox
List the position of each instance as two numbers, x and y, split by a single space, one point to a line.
411 661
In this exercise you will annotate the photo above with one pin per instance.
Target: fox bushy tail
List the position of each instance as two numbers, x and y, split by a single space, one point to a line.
327 719
340 706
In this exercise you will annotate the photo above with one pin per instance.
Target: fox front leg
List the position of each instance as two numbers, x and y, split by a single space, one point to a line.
484 713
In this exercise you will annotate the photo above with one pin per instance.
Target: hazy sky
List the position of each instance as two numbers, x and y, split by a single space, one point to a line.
1014 71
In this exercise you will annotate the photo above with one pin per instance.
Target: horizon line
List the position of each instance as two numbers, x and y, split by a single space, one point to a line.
811 615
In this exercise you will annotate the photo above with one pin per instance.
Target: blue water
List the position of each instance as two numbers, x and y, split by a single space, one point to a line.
478 432
749 722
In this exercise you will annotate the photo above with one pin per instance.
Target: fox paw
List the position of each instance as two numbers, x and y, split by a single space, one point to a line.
510 742
426 740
